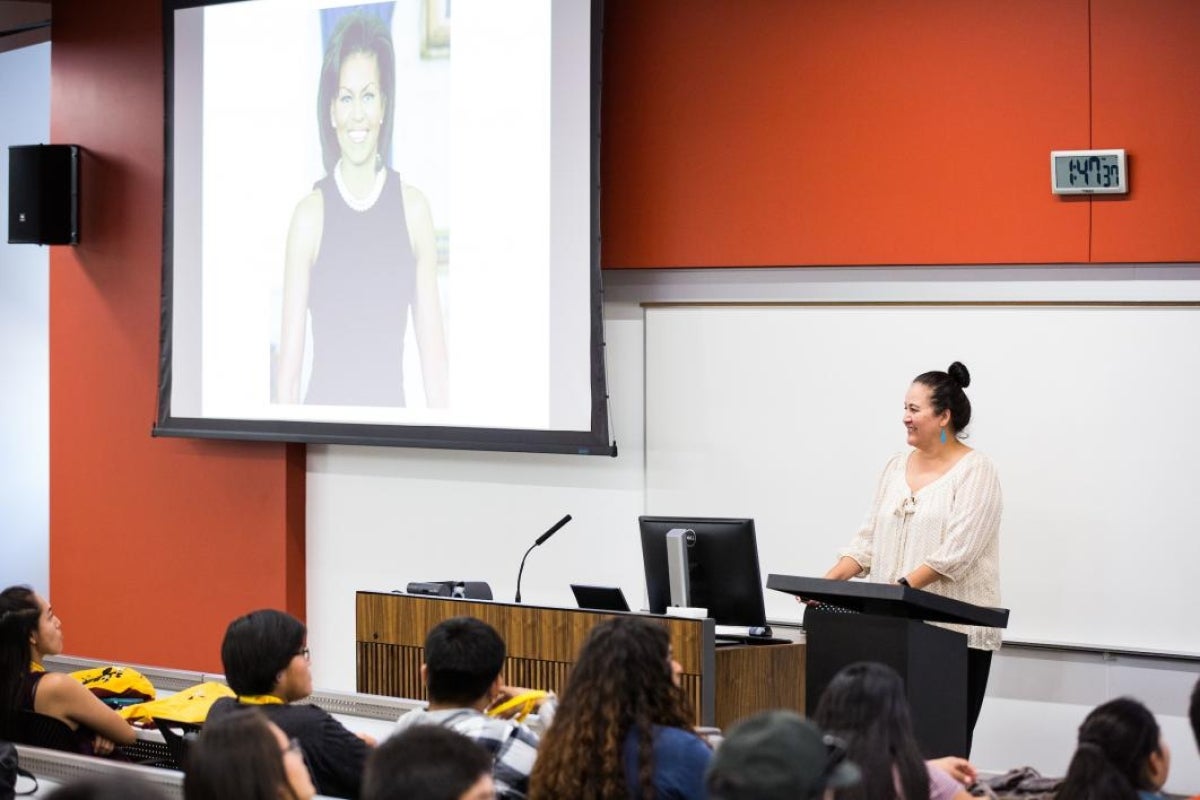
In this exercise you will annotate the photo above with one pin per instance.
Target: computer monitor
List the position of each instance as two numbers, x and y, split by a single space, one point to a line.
722 561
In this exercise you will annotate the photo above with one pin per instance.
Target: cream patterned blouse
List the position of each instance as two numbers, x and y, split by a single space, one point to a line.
952 524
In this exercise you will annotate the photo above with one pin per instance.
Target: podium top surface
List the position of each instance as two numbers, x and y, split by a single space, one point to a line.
889 600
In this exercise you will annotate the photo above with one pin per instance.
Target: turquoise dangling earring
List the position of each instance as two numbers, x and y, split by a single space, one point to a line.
943 435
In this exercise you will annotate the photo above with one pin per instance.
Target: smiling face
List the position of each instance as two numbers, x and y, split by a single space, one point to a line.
47 640
923 425
358 109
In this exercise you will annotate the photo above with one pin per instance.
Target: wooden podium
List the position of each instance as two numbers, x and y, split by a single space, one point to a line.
724 683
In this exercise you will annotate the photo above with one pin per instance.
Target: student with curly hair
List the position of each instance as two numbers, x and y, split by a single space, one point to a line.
623 727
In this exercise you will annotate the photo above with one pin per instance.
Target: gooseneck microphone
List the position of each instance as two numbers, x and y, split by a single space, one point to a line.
553 530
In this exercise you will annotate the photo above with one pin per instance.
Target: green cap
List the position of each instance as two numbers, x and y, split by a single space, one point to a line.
778 755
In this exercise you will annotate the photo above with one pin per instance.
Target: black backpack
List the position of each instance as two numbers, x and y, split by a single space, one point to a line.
9 772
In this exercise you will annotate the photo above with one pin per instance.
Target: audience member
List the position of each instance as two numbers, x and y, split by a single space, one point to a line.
865 706
429 762
624 726
1194 716
108 787
30 631
778 755
462 672
267 665
243 756
1121 755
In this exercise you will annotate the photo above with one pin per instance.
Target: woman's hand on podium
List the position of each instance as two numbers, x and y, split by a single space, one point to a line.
845 569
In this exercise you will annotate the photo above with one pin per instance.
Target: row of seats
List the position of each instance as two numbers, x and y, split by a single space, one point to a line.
49 748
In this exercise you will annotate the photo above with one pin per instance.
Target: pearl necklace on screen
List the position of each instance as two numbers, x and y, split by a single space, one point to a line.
359 203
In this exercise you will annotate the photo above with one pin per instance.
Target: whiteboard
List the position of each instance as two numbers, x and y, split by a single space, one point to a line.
1091 413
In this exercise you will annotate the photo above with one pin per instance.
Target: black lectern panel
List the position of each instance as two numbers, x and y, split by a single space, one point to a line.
884 624
889 600
932 661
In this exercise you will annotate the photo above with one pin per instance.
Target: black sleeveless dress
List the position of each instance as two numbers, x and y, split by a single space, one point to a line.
360 291
84 737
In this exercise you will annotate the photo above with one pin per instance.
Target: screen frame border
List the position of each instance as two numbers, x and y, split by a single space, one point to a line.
596 440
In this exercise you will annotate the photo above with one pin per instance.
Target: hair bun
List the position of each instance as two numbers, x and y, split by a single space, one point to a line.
959 374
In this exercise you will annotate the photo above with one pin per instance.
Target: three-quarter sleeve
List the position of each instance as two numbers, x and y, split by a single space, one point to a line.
862 546
973 524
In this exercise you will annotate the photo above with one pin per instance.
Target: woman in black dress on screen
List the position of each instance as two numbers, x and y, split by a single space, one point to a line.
361 249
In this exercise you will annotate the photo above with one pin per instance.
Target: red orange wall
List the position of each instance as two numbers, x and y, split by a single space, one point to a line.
1146 82
780 132
155 544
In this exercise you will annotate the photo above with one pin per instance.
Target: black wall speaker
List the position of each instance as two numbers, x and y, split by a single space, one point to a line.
43 194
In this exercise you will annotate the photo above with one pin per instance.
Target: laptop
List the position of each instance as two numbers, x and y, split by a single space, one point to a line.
599 598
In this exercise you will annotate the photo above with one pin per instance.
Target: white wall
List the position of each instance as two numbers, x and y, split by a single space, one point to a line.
1036 700
380 518
24 339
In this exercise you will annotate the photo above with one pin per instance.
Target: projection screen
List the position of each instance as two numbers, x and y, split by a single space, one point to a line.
381 224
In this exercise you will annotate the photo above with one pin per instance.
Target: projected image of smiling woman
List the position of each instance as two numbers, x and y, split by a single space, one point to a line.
361 250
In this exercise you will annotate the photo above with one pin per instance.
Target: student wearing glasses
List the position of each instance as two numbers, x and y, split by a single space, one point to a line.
267 665
242 756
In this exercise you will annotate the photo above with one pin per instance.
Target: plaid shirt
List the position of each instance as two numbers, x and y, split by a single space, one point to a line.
513 745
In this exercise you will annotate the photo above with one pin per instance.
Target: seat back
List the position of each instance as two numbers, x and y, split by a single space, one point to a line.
178 736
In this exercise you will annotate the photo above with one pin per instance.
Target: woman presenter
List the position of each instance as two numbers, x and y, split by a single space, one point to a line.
935 521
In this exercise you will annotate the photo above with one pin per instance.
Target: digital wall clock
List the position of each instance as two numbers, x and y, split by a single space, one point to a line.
1088 172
